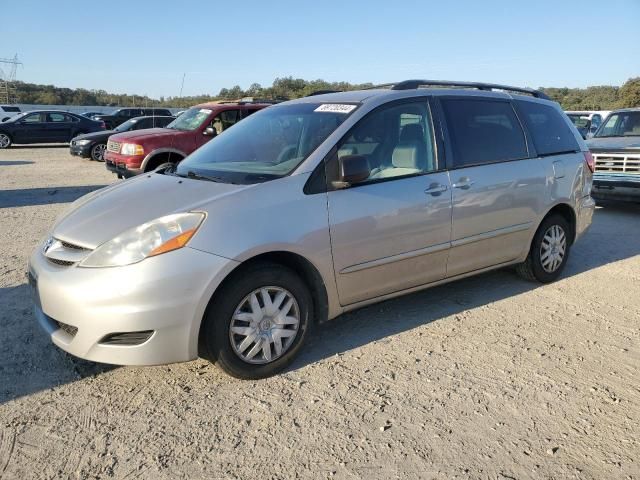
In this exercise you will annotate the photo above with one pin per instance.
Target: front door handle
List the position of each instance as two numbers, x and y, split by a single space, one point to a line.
436 189
464 183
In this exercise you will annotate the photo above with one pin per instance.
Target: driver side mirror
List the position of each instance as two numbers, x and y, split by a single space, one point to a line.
210 132
352 169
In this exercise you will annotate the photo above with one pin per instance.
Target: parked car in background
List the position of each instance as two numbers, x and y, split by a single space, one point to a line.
587 121
121 115
45 126
8 111
309 209
93 145
91 114
616 152
131 153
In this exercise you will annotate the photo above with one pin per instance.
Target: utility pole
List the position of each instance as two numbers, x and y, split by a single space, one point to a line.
8 69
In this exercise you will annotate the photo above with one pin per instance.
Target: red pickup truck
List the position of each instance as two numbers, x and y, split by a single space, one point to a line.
134 152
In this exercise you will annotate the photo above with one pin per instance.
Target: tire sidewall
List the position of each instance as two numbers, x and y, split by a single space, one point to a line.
224 304
538 270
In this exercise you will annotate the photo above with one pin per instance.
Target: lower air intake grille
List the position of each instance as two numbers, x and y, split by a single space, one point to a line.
129 338
67 328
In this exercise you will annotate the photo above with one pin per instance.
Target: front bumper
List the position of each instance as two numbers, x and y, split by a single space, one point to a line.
165 295
83 151
616 187
122 169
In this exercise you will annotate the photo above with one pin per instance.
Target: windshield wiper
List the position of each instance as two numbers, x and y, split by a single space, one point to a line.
198 176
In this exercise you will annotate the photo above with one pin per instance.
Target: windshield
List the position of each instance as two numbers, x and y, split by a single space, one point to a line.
191 119
623 124
269 144
126 126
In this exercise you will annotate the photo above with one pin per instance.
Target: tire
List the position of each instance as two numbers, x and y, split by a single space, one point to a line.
165 165
97 152
543 263
5 140
232 307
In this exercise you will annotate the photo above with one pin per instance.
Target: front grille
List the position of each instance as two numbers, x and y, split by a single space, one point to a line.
71 246
128 338
63 254
62 263
113 146
617 163
66 328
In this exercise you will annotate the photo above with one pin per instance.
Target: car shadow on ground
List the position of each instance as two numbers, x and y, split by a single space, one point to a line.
26 197
11 163
29 362
46 145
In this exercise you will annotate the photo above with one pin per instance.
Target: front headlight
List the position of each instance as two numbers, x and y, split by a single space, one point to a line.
153 238
83 142
131 149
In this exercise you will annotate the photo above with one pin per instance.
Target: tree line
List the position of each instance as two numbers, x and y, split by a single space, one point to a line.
590 98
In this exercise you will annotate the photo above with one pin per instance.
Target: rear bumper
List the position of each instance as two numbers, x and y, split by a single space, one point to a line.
616 187
584 217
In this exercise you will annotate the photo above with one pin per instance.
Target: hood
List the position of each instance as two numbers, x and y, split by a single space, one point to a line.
102 134
101 215
614 143
141 135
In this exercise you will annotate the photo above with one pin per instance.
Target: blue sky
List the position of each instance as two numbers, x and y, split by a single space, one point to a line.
144 47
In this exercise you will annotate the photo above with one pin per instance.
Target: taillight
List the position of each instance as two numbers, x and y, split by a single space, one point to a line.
588 159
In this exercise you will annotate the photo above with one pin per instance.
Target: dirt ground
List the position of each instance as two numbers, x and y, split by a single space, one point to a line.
490 377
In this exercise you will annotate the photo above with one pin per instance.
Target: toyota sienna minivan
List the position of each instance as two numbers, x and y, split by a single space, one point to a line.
308 209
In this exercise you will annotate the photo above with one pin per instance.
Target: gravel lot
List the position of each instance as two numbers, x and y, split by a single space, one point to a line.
490 377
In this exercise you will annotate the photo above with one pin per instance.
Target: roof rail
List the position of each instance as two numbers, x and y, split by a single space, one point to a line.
412 84
322 92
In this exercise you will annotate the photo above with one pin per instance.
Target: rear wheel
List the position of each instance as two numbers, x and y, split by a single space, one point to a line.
5 140
549 251
258 321
97 152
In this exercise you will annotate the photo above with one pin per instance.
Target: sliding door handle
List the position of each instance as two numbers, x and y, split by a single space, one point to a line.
464 183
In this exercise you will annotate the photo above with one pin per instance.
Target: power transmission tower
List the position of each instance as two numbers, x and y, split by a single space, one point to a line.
8 69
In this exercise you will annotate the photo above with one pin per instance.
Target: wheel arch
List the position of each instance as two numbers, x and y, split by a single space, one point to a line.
567 212
300 265
157 156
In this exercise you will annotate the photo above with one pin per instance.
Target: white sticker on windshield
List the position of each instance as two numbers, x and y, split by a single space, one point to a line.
335 108
204 110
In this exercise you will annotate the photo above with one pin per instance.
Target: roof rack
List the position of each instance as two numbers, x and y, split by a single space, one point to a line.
252 100
413 84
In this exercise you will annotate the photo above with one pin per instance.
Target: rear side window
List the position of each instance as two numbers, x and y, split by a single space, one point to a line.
550 132
483 131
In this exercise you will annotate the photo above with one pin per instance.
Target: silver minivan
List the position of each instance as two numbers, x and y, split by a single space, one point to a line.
306 210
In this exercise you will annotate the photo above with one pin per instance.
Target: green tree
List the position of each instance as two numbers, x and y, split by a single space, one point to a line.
629 94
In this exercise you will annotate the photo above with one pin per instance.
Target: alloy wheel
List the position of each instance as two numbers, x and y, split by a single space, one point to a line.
553 248
97 152
264 325
5 141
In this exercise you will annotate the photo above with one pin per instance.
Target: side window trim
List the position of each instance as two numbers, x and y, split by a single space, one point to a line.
531 153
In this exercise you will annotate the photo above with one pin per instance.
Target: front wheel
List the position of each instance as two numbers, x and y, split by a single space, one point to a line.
257 323
549 251
97 152
5 140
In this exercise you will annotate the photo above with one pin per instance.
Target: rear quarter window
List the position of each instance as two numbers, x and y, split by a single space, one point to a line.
550 132
483 131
